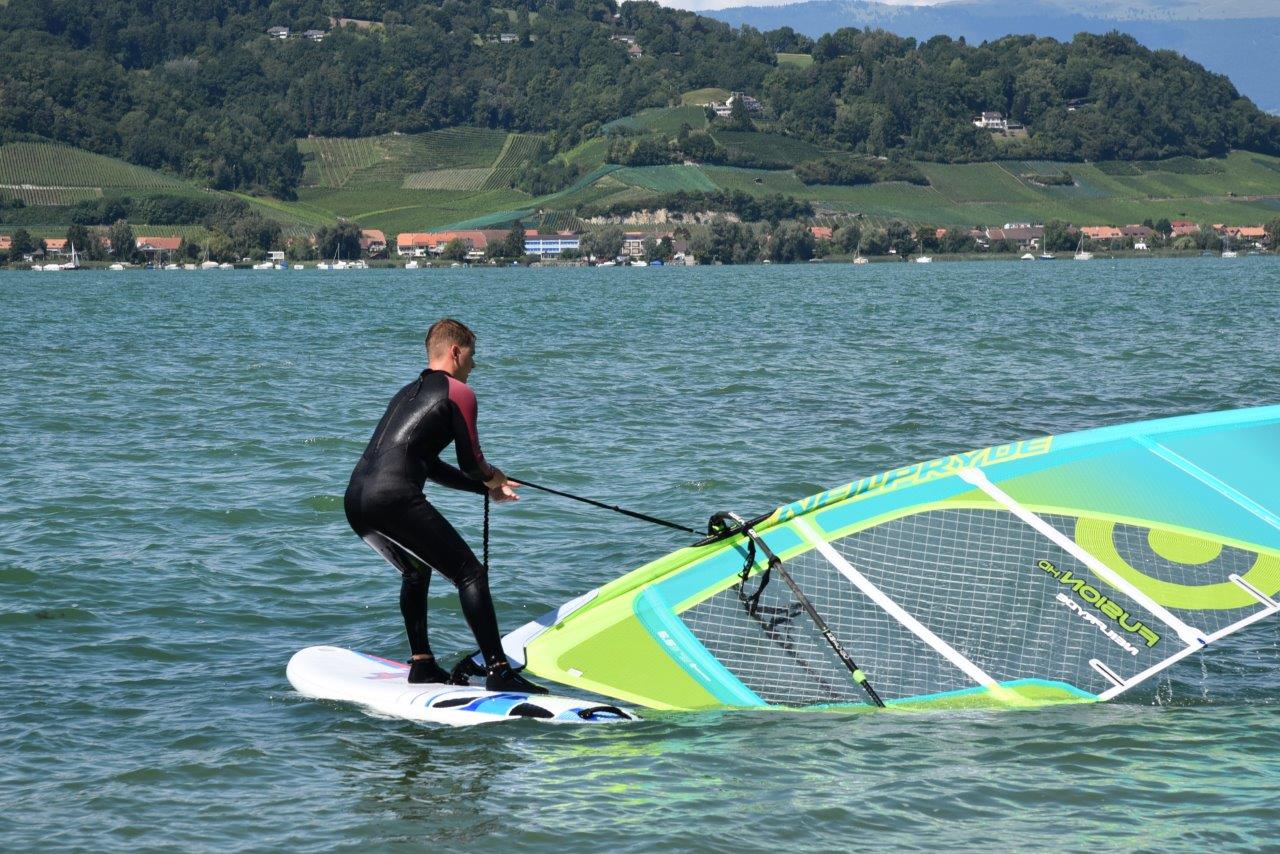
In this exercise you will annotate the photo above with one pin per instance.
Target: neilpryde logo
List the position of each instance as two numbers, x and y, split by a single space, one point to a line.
1106 606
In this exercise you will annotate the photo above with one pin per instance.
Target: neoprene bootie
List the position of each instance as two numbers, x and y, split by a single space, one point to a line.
504 678
426 670
463 670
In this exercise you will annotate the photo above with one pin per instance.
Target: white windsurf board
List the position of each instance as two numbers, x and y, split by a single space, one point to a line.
381 685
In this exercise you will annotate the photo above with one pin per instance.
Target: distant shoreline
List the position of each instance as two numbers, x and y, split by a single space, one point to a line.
969 257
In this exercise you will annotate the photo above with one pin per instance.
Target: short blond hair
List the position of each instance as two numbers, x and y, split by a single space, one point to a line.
446 332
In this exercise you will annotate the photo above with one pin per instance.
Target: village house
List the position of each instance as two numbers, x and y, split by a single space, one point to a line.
1184 228
991 121
158 247
1102 232
1244 235
56 246
724 110
314 35
6 243
550 245
281 33
1026 236
422 244
821 232
373 242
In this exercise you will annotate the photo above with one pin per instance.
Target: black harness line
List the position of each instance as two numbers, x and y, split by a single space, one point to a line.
730 523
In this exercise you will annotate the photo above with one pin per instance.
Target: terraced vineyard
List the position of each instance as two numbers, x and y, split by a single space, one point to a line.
665 179
769 146
448 179
396 158
50 195
58 166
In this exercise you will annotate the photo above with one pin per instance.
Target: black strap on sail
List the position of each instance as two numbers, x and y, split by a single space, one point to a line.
723 524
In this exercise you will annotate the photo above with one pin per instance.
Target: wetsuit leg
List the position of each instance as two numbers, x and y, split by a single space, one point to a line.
415 580
421 534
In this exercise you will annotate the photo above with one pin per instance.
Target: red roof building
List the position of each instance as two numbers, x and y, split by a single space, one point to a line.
372 241
1102 232
159 244
820 232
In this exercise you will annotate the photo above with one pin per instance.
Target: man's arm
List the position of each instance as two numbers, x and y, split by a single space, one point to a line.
466 439
446 475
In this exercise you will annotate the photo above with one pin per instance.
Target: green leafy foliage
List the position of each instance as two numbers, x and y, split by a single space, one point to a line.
201 91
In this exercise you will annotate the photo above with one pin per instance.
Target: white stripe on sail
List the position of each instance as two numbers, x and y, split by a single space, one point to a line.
978 478
1110 693
893 609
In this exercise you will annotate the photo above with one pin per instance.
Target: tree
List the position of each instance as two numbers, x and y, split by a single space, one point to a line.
20 244
726 242
1273 233
875 241
848 237
78 237
511 246
124 247
339 241
659 250
739 115
455 250
1163 227
901 239
1058 236
604 244
791 242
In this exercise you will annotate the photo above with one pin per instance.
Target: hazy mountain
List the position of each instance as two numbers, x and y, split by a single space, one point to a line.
1218 37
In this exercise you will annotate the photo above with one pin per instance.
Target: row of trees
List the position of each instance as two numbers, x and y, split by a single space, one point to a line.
200 89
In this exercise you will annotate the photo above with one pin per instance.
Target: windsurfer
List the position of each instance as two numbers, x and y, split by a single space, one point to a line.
385 504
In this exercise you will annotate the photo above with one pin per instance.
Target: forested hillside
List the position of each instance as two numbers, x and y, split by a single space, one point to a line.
201 89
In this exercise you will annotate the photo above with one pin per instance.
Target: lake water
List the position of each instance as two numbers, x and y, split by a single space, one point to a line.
176 444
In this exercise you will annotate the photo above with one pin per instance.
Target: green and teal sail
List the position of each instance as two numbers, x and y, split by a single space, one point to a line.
1058 569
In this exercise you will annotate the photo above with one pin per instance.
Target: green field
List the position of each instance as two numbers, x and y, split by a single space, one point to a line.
703 97
770 146
798 60
665 179
662 119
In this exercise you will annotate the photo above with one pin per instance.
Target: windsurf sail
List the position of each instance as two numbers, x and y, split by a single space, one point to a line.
1058 569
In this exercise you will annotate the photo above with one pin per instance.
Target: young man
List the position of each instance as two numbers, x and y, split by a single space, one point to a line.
386 506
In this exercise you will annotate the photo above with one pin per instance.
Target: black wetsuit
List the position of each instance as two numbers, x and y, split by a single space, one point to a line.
386 507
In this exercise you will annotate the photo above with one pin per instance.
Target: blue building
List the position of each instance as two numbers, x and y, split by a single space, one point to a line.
549 245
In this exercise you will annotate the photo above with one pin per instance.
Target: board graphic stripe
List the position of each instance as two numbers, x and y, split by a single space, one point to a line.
1215 483
978 478
893 609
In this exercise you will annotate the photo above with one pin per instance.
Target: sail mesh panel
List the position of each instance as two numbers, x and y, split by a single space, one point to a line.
1133 545
970 576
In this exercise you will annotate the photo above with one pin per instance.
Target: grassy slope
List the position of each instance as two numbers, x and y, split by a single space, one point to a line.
364 180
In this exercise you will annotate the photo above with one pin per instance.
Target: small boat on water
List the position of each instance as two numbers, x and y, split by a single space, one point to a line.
1028 257
923 259
861 259
411 265
1081 255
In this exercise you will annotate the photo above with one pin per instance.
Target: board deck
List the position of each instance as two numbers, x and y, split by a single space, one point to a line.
379 684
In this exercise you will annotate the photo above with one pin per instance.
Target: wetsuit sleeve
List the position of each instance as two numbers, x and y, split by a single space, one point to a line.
446 475
466 440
